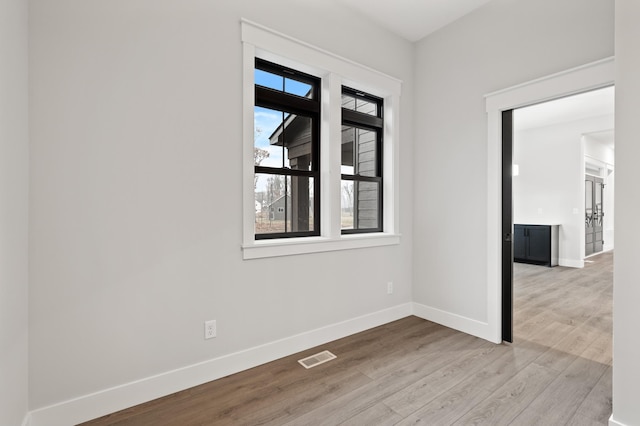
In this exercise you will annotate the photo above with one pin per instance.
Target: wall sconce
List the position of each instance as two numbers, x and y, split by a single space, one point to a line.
515 170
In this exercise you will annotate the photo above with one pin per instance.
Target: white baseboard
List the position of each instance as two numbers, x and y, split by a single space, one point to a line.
571 263
613 422
107 401
27 420
457 322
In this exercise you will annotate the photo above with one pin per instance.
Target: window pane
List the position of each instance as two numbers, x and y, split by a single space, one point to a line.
360 204
347 204
282 84
359 151
296 139
265 123
283 204
588 194
298 88
267 79
282 139
286 145
361 105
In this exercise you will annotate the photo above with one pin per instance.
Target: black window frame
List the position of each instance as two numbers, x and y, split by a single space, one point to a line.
360 120
301 106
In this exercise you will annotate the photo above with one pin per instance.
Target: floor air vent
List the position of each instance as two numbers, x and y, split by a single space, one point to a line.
317 359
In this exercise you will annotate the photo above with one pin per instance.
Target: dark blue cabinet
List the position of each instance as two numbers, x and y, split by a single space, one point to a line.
536 244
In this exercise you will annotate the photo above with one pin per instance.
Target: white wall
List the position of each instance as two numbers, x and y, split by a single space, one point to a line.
551 181
504 43
14 187
596 150
136 192
626 290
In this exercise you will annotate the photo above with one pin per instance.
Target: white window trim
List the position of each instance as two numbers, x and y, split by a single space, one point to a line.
335 71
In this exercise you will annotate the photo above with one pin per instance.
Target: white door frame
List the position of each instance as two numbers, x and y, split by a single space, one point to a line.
591 76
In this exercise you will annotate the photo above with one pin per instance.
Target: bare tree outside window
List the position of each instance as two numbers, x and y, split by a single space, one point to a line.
259 155
275 188
347 204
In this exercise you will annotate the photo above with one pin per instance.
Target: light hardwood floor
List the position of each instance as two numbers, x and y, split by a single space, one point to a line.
415 372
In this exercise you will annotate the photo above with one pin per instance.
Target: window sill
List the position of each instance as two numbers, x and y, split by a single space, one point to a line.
294 246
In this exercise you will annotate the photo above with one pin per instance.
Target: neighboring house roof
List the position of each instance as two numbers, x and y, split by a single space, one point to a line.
276 200
273 138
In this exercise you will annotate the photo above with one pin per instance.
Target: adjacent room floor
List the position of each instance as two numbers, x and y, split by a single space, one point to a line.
412 371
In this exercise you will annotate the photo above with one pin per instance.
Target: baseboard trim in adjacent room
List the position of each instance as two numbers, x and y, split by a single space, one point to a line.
27 420
571 263
457 322
613 422
107 401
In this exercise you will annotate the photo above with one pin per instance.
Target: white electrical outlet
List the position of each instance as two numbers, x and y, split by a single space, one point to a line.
389 287
210 329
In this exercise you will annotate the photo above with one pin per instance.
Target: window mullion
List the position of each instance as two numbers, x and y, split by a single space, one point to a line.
331 154
270 98
361 119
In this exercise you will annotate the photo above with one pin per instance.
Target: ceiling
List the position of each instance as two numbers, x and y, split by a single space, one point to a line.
606 137
413 19
596 103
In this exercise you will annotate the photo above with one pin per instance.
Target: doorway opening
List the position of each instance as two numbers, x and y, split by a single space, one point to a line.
591 76
551 213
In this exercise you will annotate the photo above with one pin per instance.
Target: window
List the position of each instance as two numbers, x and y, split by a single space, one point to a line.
320 149
361 160
286 151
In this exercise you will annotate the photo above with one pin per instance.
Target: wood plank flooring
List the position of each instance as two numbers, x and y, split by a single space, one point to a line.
415 372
